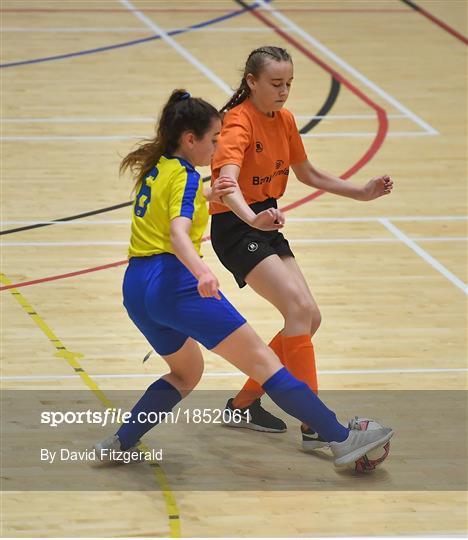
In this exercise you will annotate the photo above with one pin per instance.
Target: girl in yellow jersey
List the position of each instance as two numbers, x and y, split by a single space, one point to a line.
173 297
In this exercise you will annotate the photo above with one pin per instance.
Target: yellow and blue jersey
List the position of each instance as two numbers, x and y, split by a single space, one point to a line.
171 189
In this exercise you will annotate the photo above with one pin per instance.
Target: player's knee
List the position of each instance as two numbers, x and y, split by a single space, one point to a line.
316 320
302 309
188 379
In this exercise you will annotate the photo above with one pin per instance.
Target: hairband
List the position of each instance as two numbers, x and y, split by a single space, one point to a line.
184 96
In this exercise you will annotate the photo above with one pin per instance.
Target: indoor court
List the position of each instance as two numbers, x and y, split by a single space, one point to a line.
379 87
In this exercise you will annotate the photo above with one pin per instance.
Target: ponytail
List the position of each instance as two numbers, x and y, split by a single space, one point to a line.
240 95
181 113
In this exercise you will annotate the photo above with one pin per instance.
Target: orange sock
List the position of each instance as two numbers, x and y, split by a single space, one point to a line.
251 389
299 359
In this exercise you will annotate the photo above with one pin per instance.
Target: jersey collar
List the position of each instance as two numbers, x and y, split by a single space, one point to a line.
182 161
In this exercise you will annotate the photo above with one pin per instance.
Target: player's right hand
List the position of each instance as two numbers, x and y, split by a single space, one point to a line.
208 285
222 186
269 220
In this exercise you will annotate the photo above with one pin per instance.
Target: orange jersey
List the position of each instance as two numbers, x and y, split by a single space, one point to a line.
263 147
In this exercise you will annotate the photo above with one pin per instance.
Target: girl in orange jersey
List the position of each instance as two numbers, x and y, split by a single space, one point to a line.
259 142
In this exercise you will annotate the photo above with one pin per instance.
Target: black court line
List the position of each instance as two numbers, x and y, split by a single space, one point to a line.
68 218
324 110
330 101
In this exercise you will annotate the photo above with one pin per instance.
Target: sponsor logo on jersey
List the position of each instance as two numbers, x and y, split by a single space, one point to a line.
258 181
279 163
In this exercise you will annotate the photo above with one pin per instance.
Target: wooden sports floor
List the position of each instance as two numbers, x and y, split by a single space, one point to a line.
380 87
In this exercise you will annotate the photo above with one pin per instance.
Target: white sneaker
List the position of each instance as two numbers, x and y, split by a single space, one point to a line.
358 444
109 452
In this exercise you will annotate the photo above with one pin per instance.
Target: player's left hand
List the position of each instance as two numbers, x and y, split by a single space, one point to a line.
378 186
224 185
271 219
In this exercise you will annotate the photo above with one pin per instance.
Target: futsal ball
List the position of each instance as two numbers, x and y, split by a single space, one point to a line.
376 456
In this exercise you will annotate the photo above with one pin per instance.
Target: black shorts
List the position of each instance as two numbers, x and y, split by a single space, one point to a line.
240 247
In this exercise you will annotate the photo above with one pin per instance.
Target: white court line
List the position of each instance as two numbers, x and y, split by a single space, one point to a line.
80 120
219 374
347 67
375 240
144 120
428 258
291 241
221 84
76 138
96 138
289 220
74 222
364 134
64 244
347 116
137 30
74 29
365 219
291 27
181 50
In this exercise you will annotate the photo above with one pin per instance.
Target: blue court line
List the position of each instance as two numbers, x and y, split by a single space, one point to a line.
133 42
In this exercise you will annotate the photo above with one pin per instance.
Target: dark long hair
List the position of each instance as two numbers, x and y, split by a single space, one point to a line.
181 113
254 65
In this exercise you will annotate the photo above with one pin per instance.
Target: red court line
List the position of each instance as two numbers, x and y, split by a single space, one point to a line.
62 276
437 21
371 151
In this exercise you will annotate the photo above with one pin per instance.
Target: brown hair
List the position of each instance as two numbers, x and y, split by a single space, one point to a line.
181 113
254 65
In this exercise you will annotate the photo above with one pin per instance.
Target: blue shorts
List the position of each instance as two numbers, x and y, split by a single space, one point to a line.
162 299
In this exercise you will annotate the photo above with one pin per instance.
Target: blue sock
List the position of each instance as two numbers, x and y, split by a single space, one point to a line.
298 400
161 396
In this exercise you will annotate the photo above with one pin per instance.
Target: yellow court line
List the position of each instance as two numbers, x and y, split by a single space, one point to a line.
71 358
